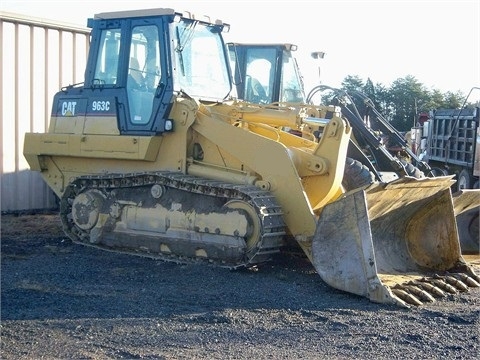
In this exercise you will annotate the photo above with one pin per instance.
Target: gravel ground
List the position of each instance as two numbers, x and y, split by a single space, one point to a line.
60 300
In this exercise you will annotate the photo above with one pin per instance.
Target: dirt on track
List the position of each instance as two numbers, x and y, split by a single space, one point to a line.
60 300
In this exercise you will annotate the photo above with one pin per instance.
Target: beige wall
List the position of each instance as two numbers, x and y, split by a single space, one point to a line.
38 57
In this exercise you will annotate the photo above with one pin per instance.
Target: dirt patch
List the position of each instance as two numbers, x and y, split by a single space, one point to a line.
61 300
21 226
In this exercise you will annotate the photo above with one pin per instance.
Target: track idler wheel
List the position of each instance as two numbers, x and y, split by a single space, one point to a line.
86 209
254 233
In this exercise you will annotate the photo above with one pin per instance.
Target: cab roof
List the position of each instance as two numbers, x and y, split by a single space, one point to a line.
153 12
134 13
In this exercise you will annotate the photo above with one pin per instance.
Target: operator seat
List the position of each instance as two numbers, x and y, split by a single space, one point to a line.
135 74
255 92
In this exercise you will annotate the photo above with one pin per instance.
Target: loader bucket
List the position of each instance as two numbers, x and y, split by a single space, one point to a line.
466 204
394 243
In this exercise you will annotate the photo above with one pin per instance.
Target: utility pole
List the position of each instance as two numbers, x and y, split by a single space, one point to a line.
318 55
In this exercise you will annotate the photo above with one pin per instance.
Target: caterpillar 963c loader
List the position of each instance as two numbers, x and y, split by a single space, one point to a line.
268 74
151 156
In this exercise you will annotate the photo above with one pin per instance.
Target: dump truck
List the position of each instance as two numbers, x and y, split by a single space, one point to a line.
449 141
151 156
268 74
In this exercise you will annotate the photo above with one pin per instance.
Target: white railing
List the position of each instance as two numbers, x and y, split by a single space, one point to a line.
38 57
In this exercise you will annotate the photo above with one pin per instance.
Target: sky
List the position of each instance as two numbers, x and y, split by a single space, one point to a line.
436 41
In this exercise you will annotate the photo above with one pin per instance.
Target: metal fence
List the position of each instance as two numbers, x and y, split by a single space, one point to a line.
38 58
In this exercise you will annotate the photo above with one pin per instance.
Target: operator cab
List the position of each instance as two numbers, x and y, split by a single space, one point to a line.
139 60
266 73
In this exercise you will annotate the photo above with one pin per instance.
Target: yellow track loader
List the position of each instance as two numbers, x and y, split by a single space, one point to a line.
268 74
151 156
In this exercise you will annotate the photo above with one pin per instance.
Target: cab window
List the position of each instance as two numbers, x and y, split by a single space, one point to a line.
143 72
106 69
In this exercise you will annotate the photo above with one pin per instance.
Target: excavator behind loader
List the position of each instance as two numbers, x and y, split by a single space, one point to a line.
273 69
169 165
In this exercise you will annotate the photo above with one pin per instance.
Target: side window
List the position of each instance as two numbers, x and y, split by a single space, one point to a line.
143 72
232 57
291 88
106 70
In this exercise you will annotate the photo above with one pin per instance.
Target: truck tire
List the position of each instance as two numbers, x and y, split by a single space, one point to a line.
464 181
435 171
412 170
468 227
356 175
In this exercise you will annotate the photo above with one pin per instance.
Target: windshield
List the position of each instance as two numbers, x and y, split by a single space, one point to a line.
200 62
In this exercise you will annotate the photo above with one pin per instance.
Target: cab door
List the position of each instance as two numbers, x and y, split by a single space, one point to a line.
129 61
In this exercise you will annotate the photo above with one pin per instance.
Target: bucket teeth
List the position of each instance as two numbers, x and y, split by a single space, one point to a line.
437 286
470 281
406 296
419 292
441 284
476 278
432 289
456 283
